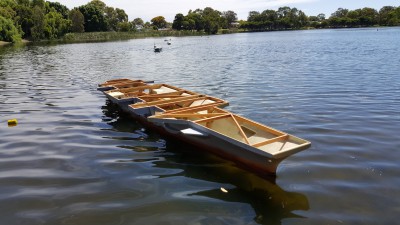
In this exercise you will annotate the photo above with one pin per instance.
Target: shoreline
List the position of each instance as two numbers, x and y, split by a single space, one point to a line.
88 37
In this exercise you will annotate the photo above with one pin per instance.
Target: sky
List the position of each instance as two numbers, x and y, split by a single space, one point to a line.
148 9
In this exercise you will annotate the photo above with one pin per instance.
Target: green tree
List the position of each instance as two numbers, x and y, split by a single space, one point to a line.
114 17
159 22
230 17
77 21
138 22
197 17
24 18
394 17
7 9
212 20
40 3
8 32
98 4
384 15
340 13
55 25
177 24
62 9
38 22
94 18
125 26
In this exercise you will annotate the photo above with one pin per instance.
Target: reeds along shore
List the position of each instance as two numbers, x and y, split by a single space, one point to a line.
109 36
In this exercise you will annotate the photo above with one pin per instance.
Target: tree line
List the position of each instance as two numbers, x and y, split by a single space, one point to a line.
292 18
40 19
207 20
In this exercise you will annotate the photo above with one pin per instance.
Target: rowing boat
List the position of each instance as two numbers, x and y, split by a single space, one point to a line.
120 83
126 96
231 136
199 120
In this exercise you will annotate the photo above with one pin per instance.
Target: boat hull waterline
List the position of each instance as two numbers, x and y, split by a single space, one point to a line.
199 120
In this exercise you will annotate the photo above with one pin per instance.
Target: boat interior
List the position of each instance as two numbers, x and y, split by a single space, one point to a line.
118 81
180 103
142 90
236 127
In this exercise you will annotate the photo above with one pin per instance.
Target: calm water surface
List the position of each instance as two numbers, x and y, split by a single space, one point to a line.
73 159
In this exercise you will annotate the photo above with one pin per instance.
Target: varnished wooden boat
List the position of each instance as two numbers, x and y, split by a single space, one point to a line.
120 83
130 95
231 136
198 119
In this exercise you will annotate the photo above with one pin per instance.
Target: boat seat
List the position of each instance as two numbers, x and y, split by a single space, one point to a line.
116 94
201 102
163 90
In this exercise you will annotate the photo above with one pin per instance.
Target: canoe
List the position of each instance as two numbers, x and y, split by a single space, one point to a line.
199 120
231 136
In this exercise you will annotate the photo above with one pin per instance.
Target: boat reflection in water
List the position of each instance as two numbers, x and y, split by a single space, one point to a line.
270 202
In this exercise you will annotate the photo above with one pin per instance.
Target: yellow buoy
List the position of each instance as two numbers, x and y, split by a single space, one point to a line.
12 123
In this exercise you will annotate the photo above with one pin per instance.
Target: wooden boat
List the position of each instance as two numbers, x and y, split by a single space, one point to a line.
120 83
146 93
199 120
231 136
146 109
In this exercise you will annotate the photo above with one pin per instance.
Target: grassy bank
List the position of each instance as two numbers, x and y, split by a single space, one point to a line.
109 36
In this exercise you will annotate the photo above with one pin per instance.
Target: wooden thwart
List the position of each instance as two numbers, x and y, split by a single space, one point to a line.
269 141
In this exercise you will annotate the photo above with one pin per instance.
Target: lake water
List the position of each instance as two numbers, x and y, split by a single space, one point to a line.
73 159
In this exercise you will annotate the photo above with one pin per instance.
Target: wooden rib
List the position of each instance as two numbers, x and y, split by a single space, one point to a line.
261 126
215 104
165 96
116 81
128 85
166 102
240 129
166 115
201 108
212 119
269 141
132 89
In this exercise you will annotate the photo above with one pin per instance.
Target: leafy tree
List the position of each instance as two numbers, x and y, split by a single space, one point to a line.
8 32
321 17
159 22
340 13
197 17
394 17
178 21
114 17
24 19
212 20
38 22
125 26
384 15
62 9
77 21
94 18
98 4
7 9
230 17
138 22
40 3
121 15
55 25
